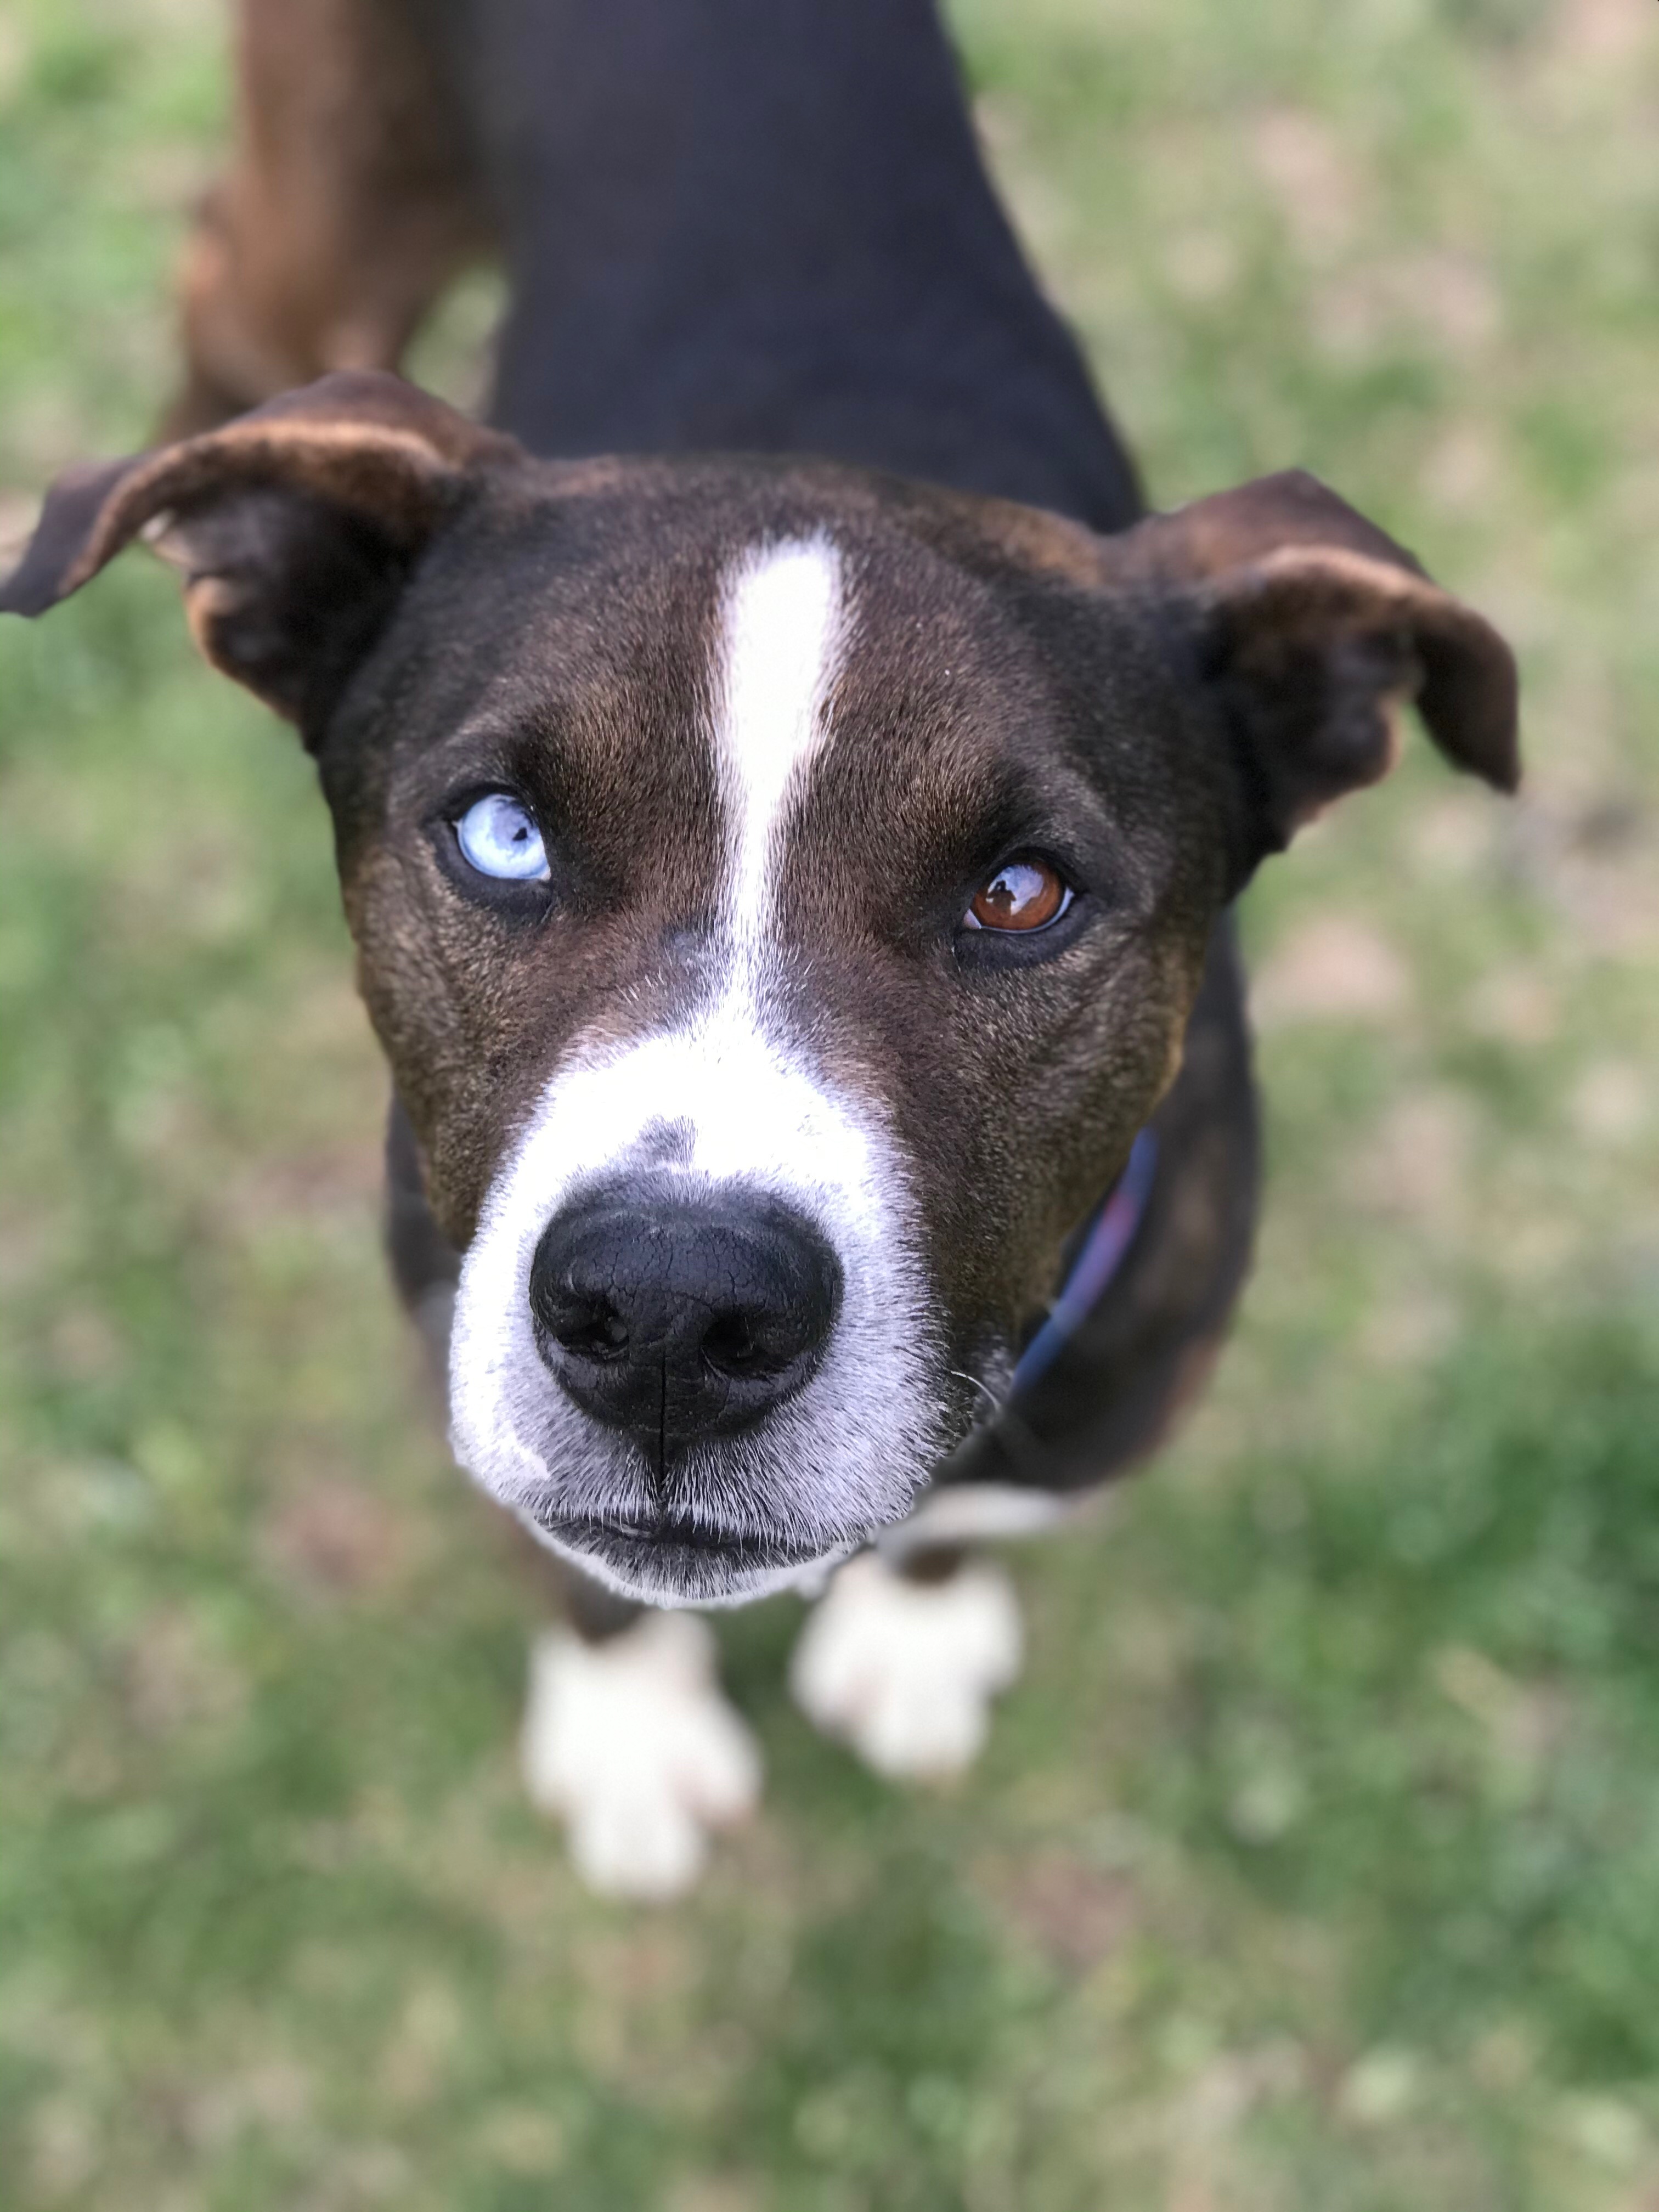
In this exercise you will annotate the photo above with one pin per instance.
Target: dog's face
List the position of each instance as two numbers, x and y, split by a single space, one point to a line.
780 894
875 873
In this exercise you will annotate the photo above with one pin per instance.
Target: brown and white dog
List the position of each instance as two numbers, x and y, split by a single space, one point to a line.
786 888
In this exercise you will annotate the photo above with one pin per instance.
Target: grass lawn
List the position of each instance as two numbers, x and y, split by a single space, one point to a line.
1315 1863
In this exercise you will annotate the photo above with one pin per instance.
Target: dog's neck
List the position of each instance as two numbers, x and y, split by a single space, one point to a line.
764 225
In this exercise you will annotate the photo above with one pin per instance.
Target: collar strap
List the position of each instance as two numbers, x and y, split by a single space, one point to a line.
1104 1244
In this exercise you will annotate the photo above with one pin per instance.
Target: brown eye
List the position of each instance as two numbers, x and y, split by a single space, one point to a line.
1024 894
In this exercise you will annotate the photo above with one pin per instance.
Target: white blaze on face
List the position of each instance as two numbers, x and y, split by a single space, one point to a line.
782 631
728 1099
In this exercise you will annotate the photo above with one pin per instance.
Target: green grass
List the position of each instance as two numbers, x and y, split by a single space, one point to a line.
1315 1860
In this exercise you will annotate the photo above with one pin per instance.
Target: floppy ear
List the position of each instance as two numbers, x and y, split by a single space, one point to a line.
1308 626
294 528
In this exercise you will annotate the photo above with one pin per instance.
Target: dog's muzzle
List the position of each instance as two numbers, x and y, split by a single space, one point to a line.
693 1349
678 1320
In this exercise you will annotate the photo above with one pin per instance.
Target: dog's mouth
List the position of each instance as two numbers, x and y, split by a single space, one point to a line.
672 1555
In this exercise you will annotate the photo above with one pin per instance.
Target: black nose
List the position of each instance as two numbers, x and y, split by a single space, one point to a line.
679 1318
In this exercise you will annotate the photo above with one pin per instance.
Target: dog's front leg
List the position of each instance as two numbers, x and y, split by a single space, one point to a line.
902 1661
628 1740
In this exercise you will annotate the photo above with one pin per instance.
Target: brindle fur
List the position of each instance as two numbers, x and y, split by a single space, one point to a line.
353 196
436 611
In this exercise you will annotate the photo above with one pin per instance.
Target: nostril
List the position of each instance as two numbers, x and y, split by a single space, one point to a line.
730 1342
734 1344
579 1319
590 1330
746 1342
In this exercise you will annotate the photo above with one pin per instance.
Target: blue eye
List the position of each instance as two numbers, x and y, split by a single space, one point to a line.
498 836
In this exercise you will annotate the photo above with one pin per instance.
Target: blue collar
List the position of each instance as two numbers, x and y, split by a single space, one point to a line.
1100 1255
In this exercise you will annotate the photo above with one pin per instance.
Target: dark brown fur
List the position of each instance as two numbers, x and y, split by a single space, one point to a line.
355 192
440 614
353 198
437 613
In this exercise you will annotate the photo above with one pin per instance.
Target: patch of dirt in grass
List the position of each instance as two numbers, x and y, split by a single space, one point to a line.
1335 967
1074 1913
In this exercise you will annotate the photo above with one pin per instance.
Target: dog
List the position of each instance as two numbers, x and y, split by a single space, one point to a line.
790 798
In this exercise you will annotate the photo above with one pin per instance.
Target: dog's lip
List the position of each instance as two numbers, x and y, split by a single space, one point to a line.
671 1532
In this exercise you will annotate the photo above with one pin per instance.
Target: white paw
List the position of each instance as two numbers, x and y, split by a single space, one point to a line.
632 1744
906 1671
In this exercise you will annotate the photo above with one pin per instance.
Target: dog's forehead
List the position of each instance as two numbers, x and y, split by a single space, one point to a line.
684 631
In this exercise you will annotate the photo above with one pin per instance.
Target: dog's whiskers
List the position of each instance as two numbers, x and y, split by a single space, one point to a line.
992 1400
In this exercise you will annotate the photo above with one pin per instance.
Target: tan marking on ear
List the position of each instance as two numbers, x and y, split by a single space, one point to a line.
1235 529
1372 583
361 439
410 477
208 599
1466 690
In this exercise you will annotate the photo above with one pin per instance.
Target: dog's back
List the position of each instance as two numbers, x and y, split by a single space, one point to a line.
763 225
749 225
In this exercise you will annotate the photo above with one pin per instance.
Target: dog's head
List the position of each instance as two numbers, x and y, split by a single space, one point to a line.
780 892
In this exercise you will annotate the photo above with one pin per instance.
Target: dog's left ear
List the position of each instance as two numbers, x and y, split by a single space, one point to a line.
293 527
1307 626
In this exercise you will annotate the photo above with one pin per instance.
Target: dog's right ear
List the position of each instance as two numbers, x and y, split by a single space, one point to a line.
1306 625
293 527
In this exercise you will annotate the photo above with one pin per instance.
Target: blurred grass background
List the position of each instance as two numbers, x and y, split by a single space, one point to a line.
1315 1860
